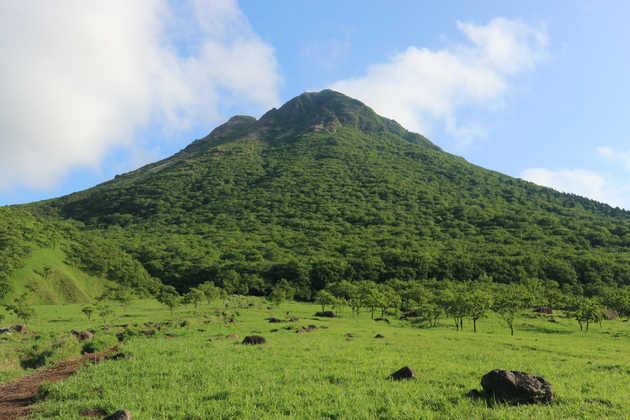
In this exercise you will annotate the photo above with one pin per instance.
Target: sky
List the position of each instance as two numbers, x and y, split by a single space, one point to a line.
535 89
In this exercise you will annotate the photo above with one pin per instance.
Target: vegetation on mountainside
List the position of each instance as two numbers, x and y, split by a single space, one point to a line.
55 262
323 190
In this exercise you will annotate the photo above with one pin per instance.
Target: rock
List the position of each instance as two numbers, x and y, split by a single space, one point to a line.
93 412
82 335
403 373
474 394
274 320
312 327
20 328
411 314
147 333
119 415
254 339
304 330
5 331
382 319
326 314
379 336
607 315
516 387
544 310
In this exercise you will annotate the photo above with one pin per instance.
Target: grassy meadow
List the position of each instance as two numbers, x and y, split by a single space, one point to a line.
190 370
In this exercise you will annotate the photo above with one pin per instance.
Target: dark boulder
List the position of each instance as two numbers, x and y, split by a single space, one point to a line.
20 328
411 314
382 319
274 320
544 310
119 415
516 387
404 373
304 330
82 335
254 339
379 336
326 314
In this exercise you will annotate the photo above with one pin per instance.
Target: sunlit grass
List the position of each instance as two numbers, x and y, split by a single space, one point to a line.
180 374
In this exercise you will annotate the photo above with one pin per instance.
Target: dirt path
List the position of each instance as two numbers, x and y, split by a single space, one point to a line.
17 396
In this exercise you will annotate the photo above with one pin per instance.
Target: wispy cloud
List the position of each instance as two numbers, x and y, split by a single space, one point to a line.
79 78
597 186
421 88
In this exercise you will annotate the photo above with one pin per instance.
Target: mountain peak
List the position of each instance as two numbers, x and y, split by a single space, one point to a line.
324 111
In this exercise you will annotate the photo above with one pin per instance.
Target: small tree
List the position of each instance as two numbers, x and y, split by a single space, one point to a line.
22 309
124 296
324 297
195 296
104 310
508 300
585 310
172 301
88 311
479 302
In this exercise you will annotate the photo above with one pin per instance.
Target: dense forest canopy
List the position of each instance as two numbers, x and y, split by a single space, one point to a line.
323 190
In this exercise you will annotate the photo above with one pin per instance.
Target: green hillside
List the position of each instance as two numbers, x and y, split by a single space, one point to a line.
323 189
54 262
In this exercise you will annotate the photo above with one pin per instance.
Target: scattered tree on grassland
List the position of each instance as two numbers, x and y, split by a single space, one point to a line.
22 308
585 310
88 311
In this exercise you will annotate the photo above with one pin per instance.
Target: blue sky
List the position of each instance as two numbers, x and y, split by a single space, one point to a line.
534 89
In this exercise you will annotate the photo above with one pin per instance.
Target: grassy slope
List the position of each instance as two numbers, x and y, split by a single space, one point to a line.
322 375
64 284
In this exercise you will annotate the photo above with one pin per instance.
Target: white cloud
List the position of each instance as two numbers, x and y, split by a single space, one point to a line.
612 156
581 182
419 87
79 78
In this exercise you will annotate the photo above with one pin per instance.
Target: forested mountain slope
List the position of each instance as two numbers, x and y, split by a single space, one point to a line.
323 189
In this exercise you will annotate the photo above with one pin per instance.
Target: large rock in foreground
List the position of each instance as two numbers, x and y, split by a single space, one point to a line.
516 387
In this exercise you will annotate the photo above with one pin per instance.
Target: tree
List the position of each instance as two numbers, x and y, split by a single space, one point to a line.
47 270
195 296
22 309
104 310
479 301
585 310
88 311
324 297
124 296
171 300
508 300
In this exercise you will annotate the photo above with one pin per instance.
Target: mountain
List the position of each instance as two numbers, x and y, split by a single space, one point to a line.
324 189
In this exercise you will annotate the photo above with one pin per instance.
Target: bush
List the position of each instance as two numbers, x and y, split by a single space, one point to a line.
98 344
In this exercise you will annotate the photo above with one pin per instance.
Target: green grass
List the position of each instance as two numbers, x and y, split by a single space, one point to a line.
179 374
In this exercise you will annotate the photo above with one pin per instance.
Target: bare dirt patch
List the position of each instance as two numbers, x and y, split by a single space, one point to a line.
17 396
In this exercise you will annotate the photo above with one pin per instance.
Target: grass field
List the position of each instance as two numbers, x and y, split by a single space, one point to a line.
178 373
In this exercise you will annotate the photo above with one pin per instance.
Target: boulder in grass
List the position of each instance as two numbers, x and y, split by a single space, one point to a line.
382 319
379 336
254 339
403 373
93 412
20 328
516 387
326 314
82 335
119 415
274 320
544 310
